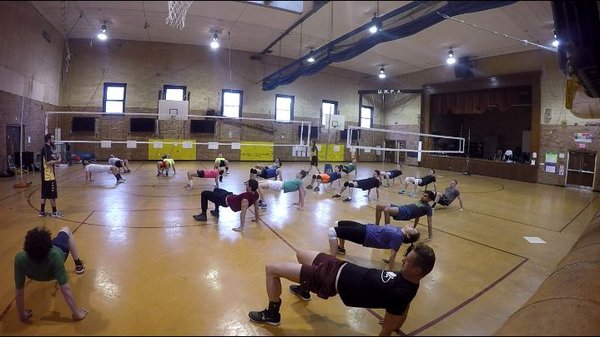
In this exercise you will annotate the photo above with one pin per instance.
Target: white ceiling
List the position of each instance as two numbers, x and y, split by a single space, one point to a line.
252 28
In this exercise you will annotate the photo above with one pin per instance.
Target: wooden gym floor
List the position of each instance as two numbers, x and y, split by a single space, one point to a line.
153 270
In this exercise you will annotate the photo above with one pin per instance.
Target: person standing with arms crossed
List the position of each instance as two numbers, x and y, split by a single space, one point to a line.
49 189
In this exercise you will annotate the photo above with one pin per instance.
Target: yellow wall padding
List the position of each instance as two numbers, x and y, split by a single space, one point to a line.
256 151
173 147
328 152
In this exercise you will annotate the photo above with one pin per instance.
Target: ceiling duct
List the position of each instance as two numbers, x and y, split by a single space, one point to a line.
402 22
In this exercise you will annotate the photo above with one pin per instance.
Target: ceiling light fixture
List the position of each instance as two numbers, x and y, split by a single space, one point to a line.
381 72
450 59
102 35
555 43
214 44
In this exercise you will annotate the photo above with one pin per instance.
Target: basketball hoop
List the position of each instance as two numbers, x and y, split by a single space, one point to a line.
177 11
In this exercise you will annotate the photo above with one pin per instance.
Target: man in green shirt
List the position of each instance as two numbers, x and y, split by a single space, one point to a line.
43 259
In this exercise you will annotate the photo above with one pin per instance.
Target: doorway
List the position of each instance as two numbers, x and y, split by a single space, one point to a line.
13 140
581 168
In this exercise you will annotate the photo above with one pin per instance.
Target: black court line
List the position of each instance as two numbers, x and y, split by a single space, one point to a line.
578 214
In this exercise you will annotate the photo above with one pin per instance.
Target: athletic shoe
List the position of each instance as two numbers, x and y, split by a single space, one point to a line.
336 196
79 268
262 206
296 290
158 174
260 202
57 214
402 192
341 250
227 172
317 189
433 205
188 187
347 199
411 194
213 213
199 217
42 214
309 187
120 181
265 316
237 229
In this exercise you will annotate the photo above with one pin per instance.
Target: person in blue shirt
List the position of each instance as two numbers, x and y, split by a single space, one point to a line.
370 235
408 212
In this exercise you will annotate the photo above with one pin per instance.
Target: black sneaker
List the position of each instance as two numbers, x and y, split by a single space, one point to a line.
296 290
336 196
265 316
213 213
79 268
221 178
42 214
317 189
309 187
341 250
199 217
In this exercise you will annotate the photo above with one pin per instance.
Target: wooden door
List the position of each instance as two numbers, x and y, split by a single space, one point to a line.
582 165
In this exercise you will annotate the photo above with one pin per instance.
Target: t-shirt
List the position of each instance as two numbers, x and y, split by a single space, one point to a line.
349 168
291 185
220 161
377 289
367 184
211 173
451 193
171 161
47 171
234 201
268 173
324 177
426 180
383 237
419 209
394 173
113 161
333 176
51 268
97 168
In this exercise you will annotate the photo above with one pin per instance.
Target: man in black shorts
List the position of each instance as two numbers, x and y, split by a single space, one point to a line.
426 180
364 184
450 194
49 188
357 286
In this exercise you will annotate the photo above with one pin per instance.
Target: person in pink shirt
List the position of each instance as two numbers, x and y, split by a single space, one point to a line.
215 174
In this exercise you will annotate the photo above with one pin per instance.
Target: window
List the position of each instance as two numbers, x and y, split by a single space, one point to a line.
174 92
231 103
114 97
284 108
328 108
366 116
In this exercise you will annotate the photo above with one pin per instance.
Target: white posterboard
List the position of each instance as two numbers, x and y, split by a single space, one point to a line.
168 110
335 122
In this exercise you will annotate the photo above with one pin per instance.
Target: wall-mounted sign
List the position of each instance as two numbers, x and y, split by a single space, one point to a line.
582 137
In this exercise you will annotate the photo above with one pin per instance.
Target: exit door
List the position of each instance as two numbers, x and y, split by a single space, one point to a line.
582 165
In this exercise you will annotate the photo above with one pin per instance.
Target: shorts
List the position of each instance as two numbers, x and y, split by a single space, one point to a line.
222 163
162 165
49 190
314 161
320 276
200 173
275 185
119 163
62 241
444 201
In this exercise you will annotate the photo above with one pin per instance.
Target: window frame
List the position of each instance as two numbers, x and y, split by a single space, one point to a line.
360 116
293 99
105 99
175 87
335 110
234 91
